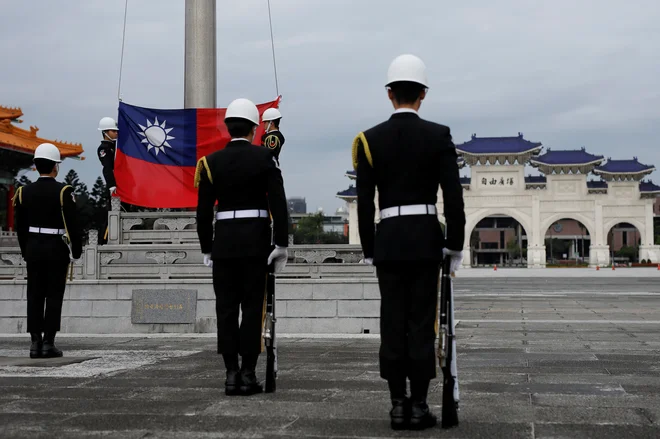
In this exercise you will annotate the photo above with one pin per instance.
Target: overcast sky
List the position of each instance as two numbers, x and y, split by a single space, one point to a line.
565 73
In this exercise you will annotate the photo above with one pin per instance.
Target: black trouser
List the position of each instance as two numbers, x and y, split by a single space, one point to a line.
240 283
46 282
408 316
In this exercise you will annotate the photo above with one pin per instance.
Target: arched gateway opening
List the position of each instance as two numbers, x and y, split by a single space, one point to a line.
567 243
624 240
498 240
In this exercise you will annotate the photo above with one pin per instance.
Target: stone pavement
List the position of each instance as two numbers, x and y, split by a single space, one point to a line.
532 364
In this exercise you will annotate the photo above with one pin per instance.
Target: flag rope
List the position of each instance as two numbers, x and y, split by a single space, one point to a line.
272 43
121 61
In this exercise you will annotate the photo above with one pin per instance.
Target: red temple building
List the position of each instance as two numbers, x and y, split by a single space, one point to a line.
17 147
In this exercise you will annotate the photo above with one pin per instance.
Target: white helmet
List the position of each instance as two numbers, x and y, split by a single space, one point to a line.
108 123
407 68
243 109
48 151
271 114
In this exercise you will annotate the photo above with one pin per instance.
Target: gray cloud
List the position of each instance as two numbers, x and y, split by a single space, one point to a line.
568 74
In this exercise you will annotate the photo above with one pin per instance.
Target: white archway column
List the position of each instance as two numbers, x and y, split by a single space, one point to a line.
647 250
535 245
599 250
353 231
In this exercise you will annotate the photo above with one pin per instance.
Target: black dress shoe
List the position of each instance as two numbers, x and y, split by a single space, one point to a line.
48 349
421 417
36 346
249 383
233 383
400 414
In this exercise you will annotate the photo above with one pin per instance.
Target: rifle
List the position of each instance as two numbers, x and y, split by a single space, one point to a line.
269 332
447 350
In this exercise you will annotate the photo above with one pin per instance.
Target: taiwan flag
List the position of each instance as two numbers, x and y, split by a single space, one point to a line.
158 150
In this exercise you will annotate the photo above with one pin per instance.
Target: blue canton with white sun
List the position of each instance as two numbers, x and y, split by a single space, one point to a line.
156 136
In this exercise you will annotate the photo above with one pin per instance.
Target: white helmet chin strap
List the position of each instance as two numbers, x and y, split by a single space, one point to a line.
108 137
268 126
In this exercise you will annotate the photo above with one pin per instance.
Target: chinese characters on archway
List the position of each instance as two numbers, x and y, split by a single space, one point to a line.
496 182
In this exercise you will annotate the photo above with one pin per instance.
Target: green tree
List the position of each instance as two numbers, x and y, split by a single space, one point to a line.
513 248
100 200
309 229
85 205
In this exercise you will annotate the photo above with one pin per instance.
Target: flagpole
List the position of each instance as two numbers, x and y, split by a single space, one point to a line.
200 71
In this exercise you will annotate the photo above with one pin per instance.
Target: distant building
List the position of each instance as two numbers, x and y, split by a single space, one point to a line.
297 205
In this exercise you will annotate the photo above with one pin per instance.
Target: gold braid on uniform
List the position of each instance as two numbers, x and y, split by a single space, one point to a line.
271 141
18 196
201 165
356 142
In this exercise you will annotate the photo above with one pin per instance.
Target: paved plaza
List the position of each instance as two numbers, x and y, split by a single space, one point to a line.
539 357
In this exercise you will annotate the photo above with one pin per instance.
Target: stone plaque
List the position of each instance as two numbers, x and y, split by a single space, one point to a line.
164 306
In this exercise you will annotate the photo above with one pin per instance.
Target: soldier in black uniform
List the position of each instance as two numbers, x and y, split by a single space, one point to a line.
272 138
247 184
46 219
407 157
106 154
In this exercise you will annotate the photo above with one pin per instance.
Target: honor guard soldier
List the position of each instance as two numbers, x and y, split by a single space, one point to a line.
49 237
406 158
246 182
106 153
272 138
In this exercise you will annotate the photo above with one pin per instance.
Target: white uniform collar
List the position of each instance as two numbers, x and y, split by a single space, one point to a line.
239 138
405 110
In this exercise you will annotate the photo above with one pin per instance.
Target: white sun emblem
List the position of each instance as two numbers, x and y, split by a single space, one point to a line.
156 135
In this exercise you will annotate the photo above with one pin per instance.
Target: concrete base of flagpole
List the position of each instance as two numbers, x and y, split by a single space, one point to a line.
200 54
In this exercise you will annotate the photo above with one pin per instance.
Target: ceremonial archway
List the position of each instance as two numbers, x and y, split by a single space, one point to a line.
498 185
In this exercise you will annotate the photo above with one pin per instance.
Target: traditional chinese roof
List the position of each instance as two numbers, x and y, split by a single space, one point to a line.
465 180
460 162
649 187
26 141
348 194
479 150
10 113
623 170
566 161
352 174
596 184
535 179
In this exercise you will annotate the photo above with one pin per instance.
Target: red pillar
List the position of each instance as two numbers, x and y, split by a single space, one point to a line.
10 208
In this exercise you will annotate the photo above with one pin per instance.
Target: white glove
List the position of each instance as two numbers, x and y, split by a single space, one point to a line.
207 260
456 259
368 261
113 190
279 255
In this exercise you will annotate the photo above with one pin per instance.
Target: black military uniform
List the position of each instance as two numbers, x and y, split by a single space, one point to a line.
407 158
106 154
41 210
274 141
247 184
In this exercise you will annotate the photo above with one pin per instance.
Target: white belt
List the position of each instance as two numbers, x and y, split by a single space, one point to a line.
47 231
414 209
251 213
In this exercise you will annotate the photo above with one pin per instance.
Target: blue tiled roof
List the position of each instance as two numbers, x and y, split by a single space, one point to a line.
351 172
623 166
567 157
596 184
497 145
535 179
648 186
465 180
350 192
